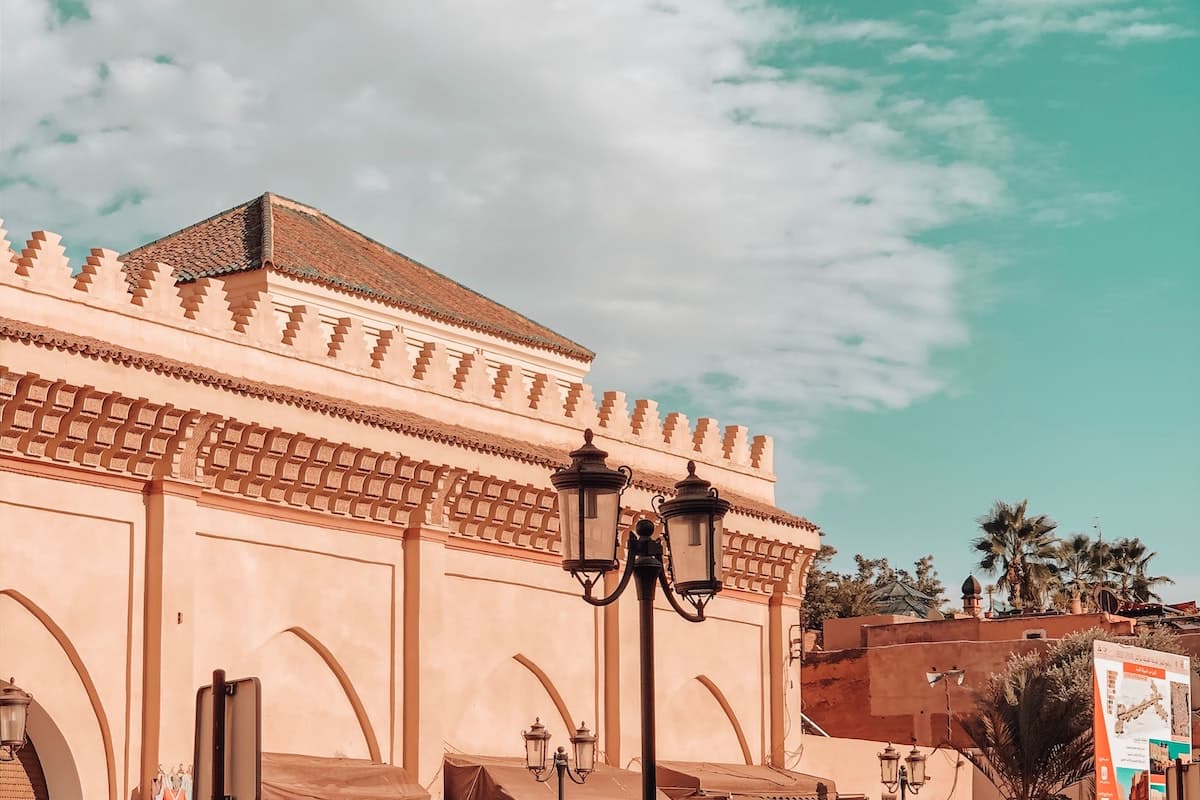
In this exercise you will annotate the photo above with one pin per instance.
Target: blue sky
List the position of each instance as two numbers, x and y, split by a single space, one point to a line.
945 255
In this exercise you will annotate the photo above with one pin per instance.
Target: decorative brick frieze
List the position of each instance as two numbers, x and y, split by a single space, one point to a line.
50 420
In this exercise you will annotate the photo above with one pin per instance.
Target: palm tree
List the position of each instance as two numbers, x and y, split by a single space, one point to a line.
1130 563
1033 733
1079 566
1019 549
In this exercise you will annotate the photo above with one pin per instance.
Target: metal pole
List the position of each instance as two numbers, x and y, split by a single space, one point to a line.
218 736
646 575
1179 787
560 765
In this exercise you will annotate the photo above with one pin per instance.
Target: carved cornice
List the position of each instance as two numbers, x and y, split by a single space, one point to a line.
389 419
49 420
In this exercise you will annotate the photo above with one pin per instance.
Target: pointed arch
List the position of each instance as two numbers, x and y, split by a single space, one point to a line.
85 679
550 688
728 709
360 711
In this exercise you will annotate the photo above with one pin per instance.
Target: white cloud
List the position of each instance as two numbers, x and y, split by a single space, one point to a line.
627 176
922 52
1069 210
1114 22
964 124
854 30
1145 31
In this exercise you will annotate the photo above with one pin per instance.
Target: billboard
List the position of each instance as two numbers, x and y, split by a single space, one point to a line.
1142 719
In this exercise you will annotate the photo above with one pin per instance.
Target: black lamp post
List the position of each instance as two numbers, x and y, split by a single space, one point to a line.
14 709
589 508
907 776
537 740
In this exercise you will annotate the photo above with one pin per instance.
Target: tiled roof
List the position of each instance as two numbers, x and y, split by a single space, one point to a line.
896 597
303 242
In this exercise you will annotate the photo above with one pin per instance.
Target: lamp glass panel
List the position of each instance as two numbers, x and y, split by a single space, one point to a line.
600 529
916 768
689 547
535 752
585 755
12 723
718 549
568 523
600 509
889 767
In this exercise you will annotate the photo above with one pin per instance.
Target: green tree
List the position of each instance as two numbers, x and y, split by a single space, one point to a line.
1019 549
1129 565
829 594
1032 723
1080 566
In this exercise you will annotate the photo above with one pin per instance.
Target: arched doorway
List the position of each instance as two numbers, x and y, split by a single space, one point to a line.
23 778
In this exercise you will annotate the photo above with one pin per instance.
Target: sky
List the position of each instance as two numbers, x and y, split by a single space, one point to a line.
945 253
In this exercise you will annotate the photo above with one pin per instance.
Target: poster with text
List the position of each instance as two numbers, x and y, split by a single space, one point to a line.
1142 719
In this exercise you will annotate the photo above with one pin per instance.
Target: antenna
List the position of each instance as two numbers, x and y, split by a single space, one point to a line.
1096 525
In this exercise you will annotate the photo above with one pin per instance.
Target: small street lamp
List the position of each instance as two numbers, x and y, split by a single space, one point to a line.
907 776
589 508
537 740
14 708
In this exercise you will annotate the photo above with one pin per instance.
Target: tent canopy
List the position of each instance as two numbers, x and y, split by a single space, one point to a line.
680 779
488 778
286 776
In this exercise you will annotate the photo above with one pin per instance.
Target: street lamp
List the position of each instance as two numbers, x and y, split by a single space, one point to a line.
14 708
537 739
934 677
589 507
910 775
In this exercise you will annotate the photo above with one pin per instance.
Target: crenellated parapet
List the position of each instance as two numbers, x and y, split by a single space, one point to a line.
279 329
52 421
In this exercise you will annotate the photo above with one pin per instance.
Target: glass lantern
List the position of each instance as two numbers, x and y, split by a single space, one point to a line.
693 523
584 742
537 740
589 508
916 767
889 766
14 710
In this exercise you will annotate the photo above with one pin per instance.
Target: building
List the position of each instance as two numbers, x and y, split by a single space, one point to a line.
271 445
874 676
871 680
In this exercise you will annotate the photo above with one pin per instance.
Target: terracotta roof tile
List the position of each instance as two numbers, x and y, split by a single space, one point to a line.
305 243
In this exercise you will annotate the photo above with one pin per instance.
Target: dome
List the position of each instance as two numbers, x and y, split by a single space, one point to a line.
971 587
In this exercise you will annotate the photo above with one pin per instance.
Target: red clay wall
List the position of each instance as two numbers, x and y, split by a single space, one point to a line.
881 693
991 630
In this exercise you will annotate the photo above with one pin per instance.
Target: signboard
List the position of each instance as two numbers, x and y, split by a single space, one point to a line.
1142 719
241 750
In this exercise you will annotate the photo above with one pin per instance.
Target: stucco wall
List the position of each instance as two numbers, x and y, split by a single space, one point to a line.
845 633
970 629
70 614
853 764
882 691
157 524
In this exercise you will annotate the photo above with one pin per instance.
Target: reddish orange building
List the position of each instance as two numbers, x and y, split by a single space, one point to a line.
871 680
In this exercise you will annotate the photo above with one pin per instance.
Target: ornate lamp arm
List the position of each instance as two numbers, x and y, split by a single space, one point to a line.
680 610
625 576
